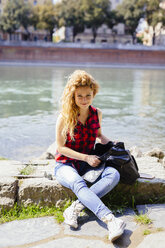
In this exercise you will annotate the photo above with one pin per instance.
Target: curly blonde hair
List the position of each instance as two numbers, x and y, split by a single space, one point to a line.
70 110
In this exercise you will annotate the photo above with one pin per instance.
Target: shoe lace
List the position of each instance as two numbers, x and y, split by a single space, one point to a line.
114 224
73 213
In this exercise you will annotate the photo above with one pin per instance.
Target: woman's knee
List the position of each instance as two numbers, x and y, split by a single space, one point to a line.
117 175
112 172
77 185
69 177
66 175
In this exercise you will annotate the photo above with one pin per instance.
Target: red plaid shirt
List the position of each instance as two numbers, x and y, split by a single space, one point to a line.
84 138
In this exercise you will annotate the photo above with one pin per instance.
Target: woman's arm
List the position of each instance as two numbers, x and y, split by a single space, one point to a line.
68 152
100 137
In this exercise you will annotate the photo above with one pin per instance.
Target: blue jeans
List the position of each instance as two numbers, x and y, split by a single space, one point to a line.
67 176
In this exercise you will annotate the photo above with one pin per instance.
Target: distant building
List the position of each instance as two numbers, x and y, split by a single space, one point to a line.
146 34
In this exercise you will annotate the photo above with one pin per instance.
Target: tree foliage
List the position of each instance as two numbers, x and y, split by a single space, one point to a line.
112 19
79 14
130 12
70 14
95 14
44 16
15 14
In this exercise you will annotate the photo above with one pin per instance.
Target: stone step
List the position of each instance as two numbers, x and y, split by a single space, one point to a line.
37 188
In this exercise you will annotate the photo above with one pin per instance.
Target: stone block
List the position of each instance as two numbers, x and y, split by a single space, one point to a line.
136 152
10 168
42 191
150 165
8 192
153 240
50 192
156 152
6 203
50 152
76 242
21 233
43 170
142 192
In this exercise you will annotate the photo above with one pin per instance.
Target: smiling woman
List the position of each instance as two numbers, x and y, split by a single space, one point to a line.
83 96
77 129
80 84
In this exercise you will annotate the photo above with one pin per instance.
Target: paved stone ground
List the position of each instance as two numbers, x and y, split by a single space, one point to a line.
45 232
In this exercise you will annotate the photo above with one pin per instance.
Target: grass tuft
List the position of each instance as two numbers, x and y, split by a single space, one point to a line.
159 229
2 158
147 232
28 170
143 219
32 211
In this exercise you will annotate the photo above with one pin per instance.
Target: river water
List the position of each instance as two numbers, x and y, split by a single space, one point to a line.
132 102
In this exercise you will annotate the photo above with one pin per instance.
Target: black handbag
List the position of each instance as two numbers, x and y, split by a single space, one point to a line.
122 160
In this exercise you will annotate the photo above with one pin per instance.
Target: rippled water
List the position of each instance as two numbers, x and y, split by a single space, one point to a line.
132 102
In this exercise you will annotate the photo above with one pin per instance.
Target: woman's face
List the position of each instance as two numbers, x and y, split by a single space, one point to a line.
83 97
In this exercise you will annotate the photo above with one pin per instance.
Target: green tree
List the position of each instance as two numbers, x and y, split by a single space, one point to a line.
25 15
95 14
44 17
15 14
130 12
70 14
112 19
153 13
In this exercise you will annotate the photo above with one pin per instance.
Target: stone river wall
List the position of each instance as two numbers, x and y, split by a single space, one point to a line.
82 54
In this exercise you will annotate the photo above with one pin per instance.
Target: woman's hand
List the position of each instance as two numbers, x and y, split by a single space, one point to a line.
92 160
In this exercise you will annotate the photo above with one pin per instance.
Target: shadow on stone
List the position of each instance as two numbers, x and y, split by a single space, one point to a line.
124 241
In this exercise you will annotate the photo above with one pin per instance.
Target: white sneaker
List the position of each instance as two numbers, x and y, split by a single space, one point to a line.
71 214
115 226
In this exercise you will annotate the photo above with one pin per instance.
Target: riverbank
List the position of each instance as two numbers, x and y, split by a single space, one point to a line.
34 183
83 54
